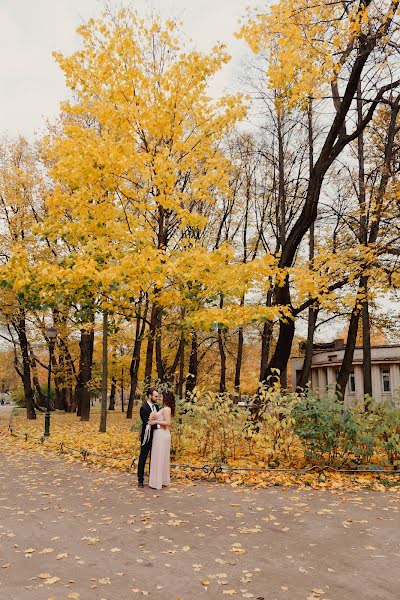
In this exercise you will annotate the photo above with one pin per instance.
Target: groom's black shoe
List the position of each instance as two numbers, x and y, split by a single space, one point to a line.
140 484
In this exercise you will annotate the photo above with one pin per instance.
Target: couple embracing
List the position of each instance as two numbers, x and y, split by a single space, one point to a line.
156 438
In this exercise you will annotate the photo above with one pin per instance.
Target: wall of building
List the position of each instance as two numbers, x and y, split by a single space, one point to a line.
385 373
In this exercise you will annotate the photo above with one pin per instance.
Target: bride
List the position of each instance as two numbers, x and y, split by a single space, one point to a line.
161 447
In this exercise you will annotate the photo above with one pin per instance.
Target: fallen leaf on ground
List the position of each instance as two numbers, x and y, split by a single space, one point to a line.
51 580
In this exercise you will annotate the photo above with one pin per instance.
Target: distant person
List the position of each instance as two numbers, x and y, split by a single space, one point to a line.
161 446
146 437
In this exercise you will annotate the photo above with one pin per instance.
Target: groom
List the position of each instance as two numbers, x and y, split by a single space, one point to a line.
145 411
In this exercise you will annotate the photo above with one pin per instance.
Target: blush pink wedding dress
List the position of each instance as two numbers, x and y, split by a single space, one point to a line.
160 456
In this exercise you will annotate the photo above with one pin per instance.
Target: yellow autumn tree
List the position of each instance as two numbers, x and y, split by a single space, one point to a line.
307 43
314 49
21 207
138 154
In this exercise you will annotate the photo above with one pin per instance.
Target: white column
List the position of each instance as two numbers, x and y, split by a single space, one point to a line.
359 381
330 375
395 380
376 383
322 380
331 379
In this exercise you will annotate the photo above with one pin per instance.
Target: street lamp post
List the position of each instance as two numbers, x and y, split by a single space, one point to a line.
51 335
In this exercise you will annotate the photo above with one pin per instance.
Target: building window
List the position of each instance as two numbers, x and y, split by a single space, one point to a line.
352 383
385 379
298 375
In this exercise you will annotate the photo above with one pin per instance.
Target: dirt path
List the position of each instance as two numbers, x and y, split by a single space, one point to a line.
106 540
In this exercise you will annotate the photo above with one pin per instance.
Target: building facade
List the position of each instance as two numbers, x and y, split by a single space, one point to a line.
326 362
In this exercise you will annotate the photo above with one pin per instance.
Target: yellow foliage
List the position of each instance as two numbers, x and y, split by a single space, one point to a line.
305 43
197 440
136 155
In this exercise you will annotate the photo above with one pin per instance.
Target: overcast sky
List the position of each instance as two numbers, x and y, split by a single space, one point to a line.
32 84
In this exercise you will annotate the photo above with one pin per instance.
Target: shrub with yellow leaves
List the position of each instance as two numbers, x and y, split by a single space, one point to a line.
215 426
277 431
273 429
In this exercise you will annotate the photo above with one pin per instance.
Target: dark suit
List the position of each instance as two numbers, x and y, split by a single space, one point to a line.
145 412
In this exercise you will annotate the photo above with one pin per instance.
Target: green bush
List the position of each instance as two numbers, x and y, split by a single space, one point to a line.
214 424
18 397
386 420
272 429
331 432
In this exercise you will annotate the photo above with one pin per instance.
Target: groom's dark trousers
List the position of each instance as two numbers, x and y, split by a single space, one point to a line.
145 412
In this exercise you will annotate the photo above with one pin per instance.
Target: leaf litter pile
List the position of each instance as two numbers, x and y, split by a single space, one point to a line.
120 442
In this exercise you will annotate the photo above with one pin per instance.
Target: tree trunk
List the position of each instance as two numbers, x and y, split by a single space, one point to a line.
304 378
181 378
65 370
367 370
222 354
345 368
239 356
191 380
62 367
158 343
312 311
169 373
367 362
150 347
69 374
281 182
135 362
367 240
286 331
82 392
239 359
134 373
67 398
35 380
104 375
347 363
57 383
280 358
366 336
333 145
266 337
122 391
65 377
111 405
26 368
113 389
